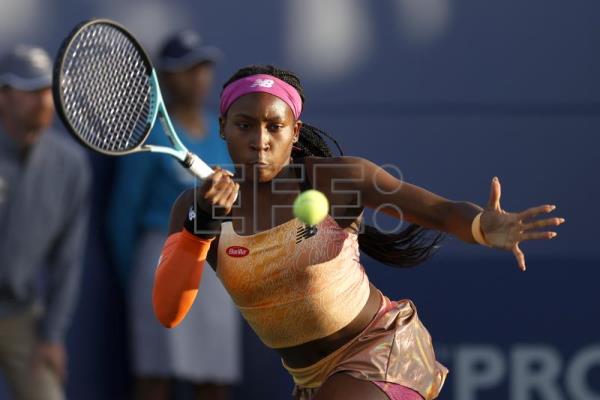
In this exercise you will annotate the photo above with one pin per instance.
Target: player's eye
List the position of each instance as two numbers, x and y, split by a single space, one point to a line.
275 127
243 125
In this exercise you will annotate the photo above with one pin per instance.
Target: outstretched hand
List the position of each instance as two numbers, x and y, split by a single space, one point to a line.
505 230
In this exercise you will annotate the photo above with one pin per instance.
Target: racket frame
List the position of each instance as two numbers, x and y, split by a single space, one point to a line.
158 110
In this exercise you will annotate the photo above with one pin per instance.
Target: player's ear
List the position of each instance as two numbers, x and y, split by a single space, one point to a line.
297 127
222 127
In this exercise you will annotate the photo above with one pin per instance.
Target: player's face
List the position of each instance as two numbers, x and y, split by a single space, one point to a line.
29 113
191 86
260 130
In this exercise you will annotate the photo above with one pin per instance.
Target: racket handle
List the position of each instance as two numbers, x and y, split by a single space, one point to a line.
199 168
196 166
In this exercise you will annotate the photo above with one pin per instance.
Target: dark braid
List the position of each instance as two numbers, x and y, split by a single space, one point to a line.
406 248
311 143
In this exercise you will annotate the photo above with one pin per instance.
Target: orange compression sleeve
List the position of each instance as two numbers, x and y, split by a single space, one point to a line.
178 276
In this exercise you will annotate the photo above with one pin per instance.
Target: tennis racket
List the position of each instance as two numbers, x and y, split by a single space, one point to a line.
107 94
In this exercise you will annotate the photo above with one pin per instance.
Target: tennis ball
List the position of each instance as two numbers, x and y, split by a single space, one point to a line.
311 207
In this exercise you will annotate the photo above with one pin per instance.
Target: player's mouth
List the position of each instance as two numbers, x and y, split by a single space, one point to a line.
259 164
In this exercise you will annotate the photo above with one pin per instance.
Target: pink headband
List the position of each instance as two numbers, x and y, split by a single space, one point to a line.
261 83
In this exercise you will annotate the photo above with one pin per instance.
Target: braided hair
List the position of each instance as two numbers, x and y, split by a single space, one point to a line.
406 248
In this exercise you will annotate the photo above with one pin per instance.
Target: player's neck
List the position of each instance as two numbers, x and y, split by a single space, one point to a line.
266 192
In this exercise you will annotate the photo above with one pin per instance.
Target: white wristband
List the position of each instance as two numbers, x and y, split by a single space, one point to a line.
477 232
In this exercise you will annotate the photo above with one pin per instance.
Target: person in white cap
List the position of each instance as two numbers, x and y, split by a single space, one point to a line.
206 349
44 190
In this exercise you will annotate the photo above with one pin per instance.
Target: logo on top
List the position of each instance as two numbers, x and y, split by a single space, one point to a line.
266 83
305 232
237 251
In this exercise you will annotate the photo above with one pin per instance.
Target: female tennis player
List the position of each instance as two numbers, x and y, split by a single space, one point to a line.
306 294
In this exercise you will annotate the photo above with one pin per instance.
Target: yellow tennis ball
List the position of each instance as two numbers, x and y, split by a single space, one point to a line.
311 207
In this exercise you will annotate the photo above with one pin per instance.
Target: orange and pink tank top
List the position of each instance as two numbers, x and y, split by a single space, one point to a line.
292 288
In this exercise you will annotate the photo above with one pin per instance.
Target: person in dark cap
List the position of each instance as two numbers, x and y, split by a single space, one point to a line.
44 195
185 50
206 349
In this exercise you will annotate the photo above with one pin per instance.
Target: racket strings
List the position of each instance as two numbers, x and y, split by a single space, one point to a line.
106 89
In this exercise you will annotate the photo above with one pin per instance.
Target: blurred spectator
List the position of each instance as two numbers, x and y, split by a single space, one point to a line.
44 198
205 348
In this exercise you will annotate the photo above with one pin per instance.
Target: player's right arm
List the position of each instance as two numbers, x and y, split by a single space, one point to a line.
184 253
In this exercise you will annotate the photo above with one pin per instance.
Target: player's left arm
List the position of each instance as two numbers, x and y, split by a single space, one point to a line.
501 229
380 190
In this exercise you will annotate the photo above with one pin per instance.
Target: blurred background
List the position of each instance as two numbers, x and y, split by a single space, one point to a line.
451 93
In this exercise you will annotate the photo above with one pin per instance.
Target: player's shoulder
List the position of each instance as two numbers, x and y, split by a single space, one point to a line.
340 166
338 160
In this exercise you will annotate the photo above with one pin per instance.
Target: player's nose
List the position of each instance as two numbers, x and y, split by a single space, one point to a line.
261 140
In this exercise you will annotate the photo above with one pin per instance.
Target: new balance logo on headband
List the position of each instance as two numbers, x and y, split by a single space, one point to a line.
266 83
261 83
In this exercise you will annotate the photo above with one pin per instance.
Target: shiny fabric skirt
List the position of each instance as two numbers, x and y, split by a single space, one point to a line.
394 352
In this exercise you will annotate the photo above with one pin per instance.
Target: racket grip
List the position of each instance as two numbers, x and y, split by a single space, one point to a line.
196 166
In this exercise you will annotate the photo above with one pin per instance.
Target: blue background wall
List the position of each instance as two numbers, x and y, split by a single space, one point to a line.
452 93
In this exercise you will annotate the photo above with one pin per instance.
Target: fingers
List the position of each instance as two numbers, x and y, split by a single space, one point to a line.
220 192
222 196
495 193
543 223
540 224
530 236
534 211
221 189
209 183
520 257
537 235
216 182
232 198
